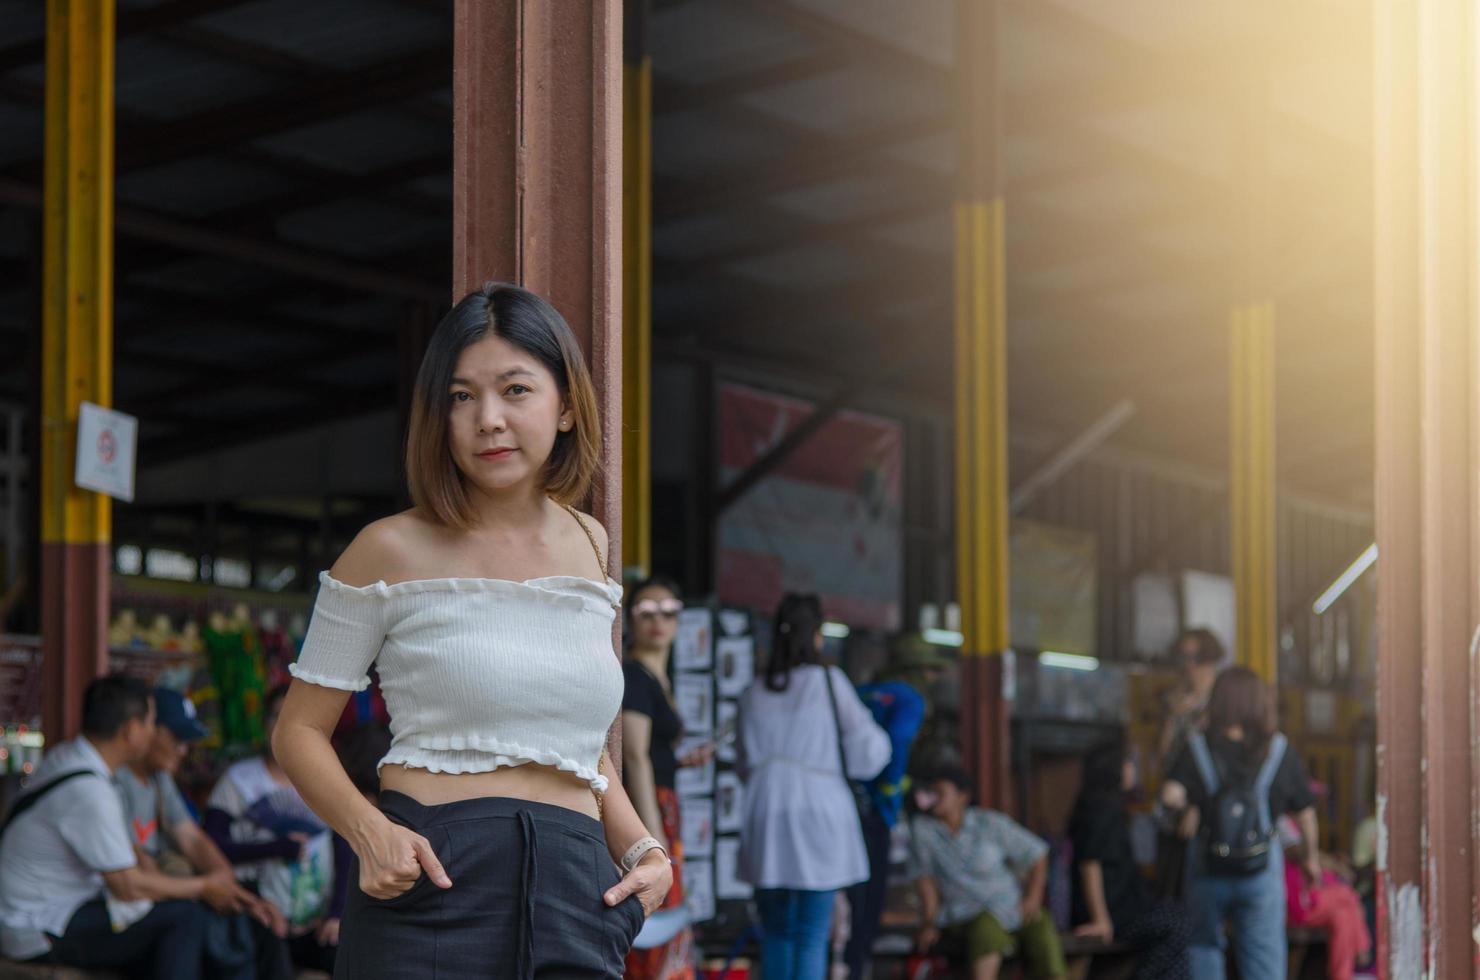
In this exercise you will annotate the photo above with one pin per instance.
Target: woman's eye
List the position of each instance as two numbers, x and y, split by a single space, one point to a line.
517 390
461 396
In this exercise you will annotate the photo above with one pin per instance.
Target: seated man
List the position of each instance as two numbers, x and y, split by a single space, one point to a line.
981 879
73 891
162 826
280 848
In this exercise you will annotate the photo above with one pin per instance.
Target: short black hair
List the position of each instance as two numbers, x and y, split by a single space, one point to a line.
273 698
954 775
360 752
1201 647
111 702
1103 766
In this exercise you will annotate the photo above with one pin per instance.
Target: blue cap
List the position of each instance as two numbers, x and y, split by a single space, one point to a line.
176 712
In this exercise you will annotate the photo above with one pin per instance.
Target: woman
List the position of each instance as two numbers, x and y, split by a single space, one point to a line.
650 730
801 841
1112 900
486 609
1240 759
1328 903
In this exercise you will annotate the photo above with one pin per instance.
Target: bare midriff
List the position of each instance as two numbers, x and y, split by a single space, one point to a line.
538 784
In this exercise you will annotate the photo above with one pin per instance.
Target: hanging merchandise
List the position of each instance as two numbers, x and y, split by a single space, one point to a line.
234 655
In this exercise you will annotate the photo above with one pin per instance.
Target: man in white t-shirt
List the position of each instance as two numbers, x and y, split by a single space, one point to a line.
73 892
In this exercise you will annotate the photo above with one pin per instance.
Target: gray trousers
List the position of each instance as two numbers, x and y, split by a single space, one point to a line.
525 902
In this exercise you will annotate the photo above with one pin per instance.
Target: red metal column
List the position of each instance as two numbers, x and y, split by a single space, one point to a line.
537 180
981 404
1427 488
76 351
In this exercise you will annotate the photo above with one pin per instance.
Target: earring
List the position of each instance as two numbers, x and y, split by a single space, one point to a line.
564 425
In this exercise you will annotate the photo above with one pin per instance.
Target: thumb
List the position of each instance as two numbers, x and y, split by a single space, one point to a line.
428 859
619 892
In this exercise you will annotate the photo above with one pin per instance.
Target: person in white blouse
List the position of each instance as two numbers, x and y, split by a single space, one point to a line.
801 723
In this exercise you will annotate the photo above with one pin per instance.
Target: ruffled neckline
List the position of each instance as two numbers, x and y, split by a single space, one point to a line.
610 590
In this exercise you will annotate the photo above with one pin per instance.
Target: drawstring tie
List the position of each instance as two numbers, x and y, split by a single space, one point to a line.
526 908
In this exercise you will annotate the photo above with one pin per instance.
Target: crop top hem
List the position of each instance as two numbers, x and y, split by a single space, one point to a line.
441 758
549 584
323 680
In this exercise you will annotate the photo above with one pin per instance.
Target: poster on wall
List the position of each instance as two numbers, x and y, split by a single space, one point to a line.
727 732
692 649
1208 602
1055 577
827 519
696 826
693 696
698 886
727 883
729 806
734 665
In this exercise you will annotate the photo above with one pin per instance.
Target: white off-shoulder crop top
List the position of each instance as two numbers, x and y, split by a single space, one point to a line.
478 674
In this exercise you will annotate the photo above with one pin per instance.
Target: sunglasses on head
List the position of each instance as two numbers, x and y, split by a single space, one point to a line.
667 608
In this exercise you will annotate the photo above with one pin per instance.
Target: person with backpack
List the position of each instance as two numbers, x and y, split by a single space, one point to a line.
1232 782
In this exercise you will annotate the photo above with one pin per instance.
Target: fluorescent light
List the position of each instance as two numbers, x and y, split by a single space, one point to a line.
1353 572
1068 661
835 631
944 638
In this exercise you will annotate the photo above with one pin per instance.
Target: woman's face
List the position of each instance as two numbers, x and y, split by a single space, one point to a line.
655 618
506 412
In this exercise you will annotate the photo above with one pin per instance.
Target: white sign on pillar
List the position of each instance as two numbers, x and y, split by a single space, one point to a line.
106 441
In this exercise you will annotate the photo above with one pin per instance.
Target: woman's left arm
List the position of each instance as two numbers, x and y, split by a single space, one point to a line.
651 879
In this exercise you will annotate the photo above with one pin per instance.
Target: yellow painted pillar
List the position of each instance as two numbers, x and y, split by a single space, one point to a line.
76 350
1252 485
981 403
637 291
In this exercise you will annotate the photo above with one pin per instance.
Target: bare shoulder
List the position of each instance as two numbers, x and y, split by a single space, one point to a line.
382 550
598 530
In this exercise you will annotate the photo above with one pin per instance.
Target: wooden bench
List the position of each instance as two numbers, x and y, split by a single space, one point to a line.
32 971
1087 958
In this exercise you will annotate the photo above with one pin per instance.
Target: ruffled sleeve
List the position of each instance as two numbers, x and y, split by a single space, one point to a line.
344 636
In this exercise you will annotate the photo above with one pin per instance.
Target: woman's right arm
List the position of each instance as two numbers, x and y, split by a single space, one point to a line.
391 856
1099 926
637 771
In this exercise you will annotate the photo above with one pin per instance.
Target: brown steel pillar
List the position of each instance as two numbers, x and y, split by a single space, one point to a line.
76 351
1427 487
537 180
537 187
981 405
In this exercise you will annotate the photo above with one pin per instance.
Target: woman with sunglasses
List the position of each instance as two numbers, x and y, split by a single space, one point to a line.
650 731
802 841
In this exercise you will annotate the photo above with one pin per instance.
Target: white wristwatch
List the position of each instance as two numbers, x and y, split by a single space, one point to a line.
639 850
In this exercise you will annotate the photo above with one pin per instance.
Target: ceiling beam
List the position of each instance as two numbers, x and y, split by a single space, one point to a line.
131 20
863 47
299 105
210 435
821 160
281 63
671 95
206 239
264 214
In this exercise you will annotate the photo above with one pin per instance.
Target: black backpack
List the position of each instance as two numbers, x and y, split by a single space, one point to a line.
1238 830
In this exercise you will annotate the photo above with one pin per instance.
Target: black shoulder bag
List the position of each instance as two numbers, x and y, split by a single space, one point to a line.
861 799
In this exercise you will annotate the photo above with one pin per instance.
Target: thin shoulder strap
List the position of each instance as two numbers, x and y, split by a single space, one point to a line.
1267 773
600 558
1197 744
